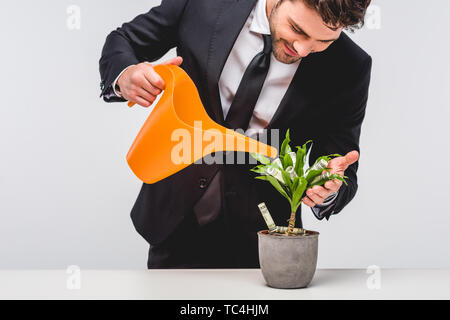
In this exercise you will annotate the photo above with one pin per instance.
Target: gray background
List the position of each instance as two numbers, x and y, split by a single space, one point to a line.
66 190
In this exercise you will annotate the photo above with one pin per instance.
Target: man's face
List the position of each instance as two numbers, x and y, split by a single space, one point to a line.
298 30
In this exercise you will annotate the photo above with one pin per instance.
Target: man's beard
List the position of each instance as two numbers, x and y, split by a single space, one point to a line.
278 43
280 54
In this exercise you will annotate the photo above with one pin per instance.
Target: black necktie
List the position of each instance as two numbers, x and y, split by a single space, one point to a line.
208 208
241 110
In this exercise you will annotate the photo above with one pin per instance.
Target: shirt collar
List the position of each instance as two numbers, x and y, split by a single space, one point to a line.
260 23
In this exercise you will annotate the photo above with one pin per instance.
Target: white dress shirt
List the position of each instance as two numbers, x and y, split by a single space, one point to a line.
248 44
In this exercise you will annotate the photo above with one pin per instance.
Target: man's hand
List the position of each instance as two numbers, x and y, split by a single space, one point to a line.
317 194
141 84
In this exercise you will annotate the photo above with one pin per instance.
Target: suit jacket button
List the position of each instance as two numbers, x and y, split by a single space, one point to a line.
202 183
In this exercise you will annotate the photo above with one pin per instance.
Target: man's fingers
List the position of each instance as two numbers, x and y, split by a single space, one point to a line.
141 101
154 78
314 196
146 95
320 191
308 202
155 81
352 157
340 164
147 86
333 185
175 61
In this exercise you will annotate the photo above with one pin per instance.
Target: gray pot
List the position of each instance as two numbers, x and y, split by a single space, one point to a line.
288 261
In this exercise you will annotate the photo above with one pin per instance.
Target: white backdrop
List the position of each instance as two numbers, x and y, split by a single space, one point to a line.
66 190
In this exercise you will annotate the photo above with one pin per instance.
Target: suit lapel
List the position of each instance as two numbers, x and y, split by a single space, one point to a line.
232 17
296 97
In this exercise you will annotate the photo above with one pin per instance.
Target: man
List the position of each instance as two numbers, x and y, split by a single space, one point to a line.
257 64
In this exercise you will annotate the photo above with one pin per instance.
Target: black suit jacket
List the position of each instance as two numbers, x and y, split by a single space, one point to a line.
325 102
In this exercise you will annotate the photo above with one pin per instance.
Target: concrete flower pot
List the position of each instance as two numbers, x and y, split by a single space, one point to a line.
288 261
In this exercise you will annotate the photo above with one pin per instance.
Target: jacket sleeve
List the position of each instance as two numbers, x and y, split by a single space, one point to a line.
146 38
342 136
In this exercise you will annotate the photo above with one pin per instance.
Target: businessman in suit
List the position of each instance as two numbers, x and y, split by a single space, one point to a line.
258 65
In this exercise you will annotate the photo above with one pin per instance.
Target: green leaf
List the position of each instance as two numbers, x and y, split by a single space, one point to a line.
295 183
260 158
275 165
285 144
305 149
299 162
297 196
287 161
286 179
331 177
259 170
260 166
335 155
311 174
326 158
278 186
336 176
288 149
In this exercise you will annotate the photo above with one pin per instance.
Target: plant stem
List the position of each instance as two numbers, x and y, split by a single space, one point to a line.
291 224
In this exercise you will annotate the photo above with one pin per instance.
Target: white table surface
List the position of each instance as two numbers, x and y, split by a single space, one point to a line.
221 284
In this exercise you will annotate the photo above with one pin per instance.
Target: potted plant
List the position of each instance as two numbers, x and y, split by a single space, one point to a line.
288 255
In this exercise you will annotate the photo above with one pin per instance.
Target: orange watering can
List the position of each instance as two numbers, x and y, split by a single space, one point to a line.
179 132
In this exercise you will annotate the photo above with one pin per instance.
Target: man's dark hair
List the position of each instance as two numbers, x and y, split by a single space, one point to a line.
340 13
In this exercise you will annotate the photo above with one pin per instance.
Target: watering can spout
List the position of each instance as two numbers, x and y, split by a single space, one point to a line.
179 132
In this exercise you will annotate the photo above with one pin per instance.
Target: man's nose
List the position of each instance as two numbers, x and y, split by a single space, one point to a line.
303 48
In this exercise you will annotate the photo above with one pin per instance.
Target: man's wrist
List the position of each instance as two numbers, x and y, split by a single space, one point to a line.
115 86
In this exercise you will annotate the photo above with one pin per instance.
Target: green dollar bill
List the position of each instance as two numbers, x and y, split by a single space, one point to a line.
294 231
322 164
267 217
324 176
291 172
